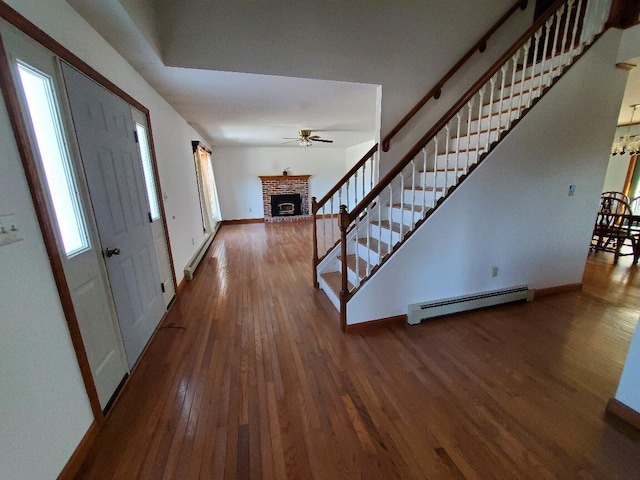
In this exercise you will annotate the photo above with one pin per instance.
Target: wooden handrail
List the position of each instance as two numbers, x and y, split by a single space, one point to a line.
395 171
435 92
346 176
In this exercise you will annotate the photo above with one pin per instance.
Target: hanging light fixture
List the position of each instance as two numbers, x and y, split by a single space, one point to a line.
628 143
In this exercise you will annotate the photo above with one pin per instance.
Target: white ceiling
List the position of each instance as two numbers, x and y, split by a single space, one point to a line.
229 108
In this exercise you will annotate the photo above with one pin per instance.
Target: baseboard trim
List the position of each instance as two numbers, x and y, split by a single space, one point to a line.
570 287
624 412
379 323
241 221
72 467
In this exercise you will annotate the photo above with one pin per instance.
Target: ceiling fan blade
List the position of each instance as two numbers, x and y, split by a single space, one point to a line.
320 140
295 140
291 138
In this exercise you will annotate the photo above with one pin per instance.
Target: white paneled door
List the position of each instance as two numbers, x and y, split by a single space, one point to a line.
110 155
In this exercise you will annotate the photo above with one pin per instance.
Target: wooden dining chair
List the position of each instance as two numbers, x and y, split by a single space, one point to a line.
612 229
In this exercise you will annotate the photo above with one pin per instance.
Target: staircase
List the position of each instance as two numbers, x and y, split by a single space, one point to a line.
357 236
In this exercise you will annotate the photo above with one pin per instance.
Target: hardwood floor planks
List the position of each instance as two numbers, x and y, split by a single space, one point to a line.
250 377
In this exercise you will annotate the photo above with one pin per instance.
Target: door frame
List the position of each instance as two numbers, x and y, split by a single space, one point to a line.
46 224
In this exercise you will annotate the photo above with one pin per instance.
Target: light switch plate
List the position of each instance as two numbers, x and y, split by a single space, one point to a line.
9 231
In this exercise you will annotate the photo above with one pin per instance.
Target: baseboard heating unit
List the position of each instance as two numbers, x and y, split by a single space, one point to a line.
421 311
190 269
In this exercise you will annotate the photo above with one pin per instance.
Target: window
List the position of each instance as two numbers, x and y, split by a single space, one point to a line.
147 168
207 186
47 127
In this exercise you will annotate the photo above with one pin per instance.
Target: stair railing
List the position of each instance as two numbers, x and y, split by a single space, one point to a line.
463 137
361 178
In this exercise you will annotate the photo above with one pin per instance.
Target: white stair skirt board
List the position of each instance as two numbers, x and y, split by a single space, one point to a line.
421 311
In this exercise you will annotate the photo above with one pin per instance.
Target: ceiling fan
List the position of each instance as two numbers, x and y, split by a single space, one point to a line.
305 138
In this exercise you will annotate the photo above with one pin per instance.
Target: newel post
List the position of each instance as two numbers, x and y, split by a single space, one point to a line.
344 290
314 211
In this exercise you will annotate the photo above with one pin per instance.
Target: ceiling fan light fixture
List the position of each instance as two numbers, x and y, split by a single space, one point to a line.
305 142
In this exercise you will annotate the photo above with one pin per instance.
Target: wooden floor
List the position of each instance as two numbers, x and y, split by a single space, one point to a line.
250 377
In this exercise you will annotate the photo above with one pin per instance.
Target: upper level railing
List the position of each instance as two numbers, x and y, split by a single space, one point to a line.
400 202
361 178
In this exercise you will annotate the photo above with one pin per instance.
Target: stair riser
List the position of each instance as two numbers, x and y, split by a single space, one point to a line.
503 119
422 197
382 234
404 216
472 141
371 257
448 162
439 179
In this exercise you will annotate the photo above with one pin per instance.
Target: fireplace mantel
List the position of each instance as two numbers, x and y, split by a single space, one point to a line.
284 177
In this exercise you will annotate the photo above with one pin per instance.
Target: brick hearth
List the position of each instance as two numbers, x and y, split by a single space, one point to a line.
282 185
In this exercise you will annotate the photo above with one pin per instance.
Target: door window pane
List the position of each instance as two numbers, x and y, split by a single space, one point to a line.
46 121
147 168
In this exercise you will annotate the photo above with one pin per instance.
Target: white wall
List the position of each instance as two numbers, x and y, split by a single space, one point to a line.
514 211
237 169
355 153
44 409
629 387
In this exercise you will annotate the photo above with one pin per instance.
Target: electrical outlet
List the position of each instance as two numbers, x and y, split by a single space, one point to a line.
494 272
9 232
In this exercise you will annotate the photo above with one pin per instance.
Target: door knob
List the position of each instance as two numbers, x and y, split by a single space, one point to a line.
112 251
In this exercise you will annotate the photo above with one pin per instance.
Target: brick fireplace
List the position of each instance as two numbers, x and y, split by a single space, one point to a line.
279 186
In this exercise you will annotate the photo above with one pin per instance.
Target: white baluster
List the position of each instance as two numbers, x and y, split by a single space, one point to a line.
458 120
424 181
524 74
379 200
324 230
503 70
492 83
565 36
435 170
348 204
514 67
575 48
368 270
371 172
446 149
481 100
364 174
413 193
333 237
355 188
390 217
401 204
558 16
470 108
357 257
547 31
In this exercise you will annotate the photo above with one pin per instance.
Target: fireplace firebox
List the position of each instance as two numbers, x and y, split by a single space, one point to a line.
286 205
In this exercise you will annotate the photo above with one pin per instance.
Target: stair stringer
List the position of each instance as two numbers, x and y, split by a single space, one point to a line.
513 211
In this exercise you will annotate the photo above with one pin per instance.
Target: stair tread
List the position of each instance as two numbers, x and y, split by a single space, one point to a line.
426 189
385 224
362 265
515 94
375 245
334 282
407 207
